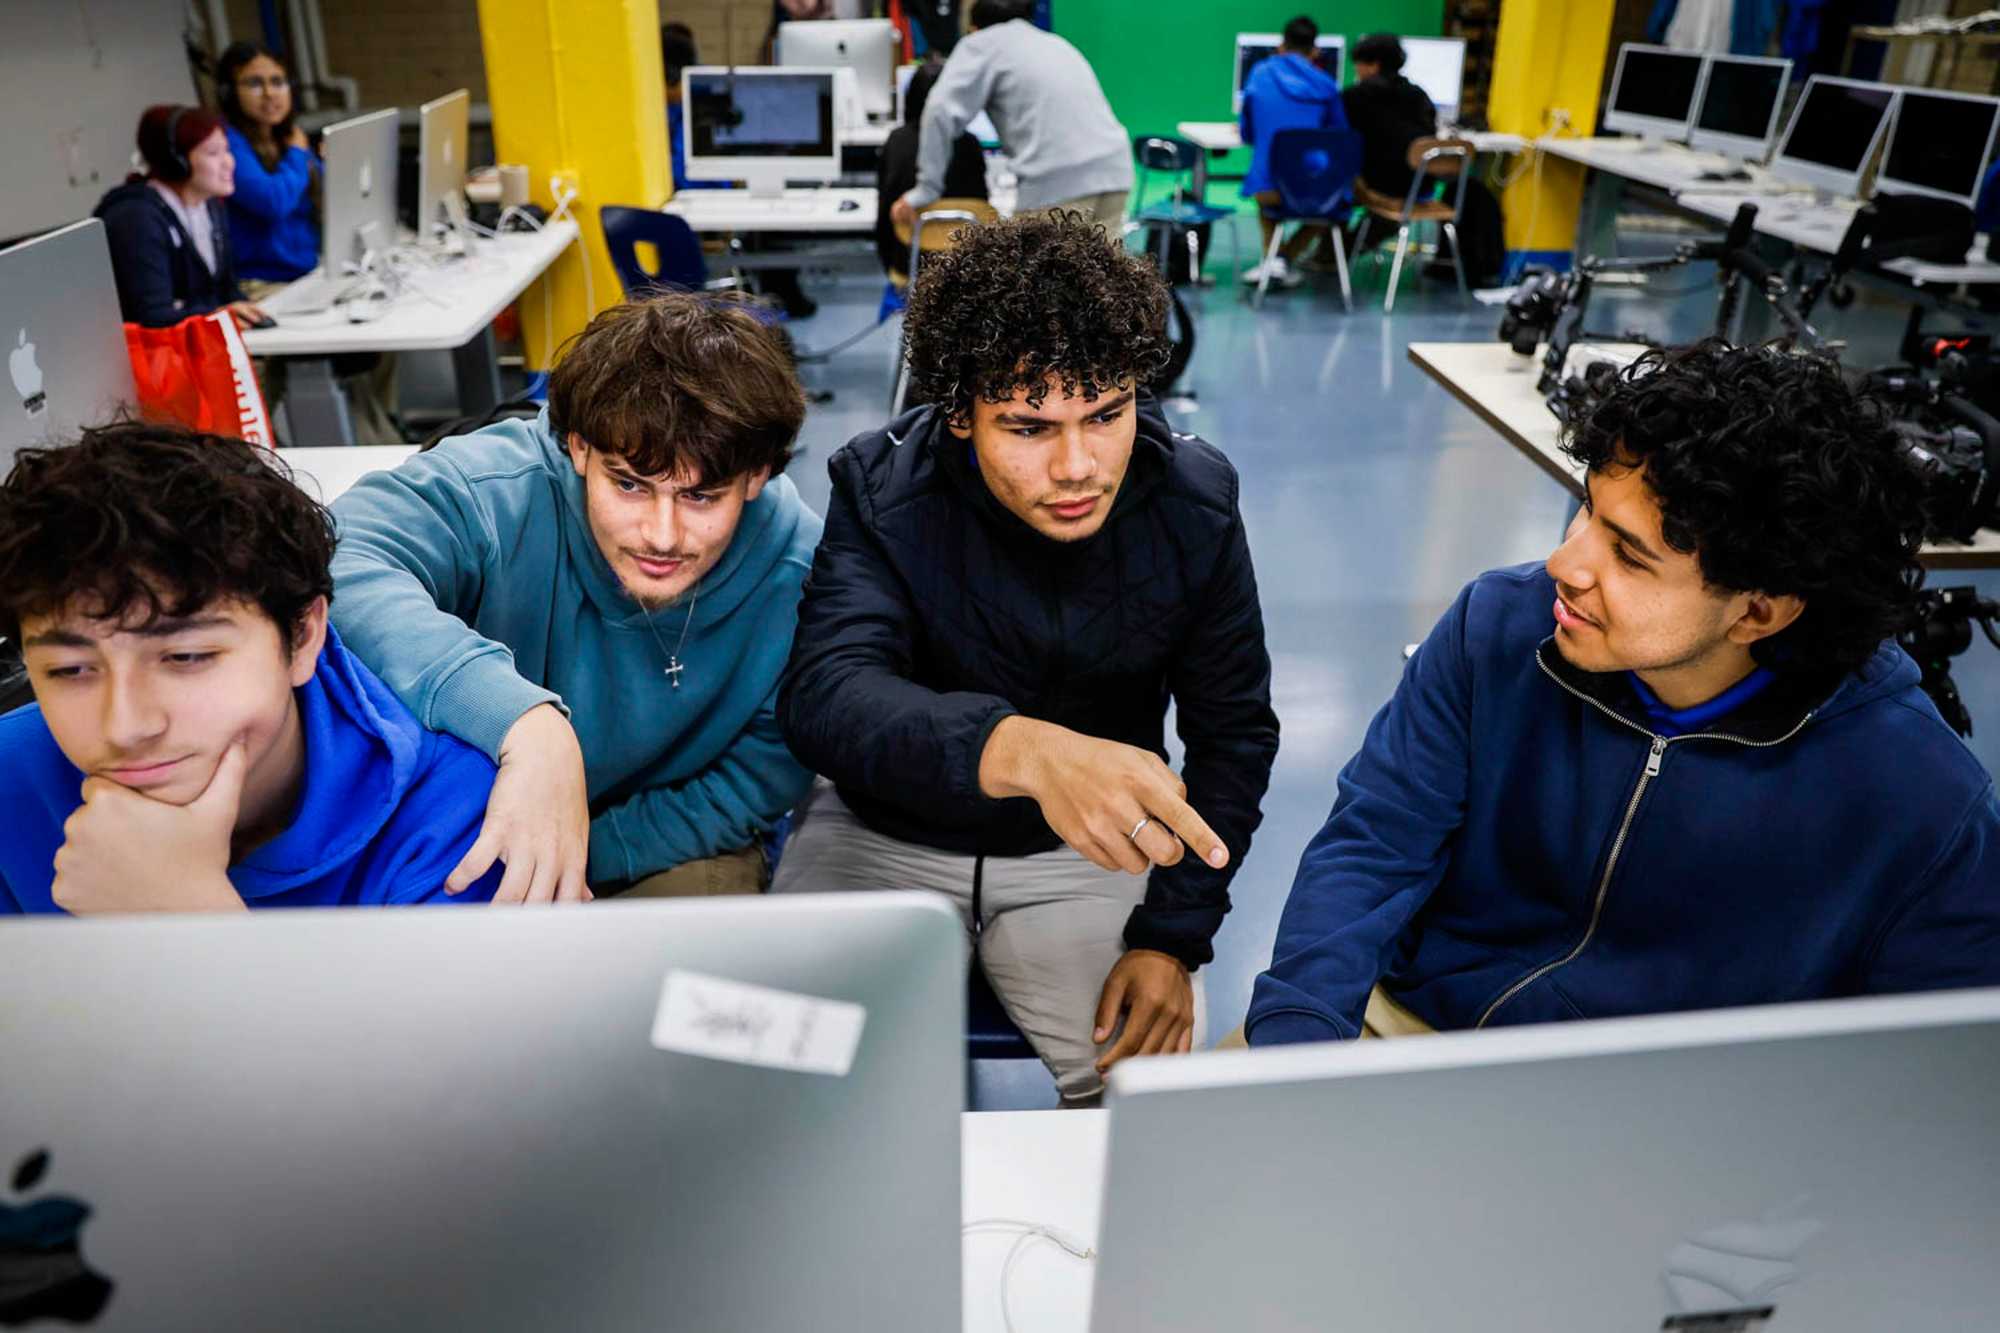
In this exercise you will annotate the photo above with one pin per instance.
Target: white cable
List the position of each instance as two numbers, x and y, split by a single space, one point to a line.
1025 1234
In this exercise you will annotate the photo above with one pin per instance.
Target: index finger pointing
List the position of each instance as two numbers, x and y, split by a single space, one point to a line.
1179 816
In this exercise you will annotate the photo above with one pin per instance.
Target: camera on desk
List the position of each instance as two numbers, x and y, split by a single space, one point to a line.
1532 311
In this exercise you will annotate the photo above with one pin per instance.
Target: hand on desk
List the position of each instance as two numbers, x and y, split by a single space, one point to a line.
123 851
538 817
250 315
903 213
1155 995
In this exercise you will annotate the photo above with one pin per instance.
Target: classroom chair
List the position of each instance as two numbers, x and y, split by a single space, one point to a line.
1314 172
936 223
1437 164
1182 215
681 264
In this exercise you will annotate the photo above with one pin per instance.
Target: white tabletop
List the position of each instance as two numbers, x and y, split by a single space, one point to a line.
326 473
797 210
1500 387
443 307
1045 1167
1219 136
872 134
1667 166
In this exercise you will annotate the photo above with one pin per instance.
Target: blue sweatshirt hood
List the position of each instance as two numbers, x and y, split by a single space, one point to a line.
1299 79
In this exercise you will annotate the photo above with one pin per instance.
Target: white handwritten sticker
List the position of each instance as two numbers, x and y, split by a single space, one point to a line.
755 1025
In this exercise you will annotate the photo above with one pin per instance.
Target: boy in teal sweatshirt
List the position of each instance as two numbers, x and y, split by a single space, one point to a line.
603 600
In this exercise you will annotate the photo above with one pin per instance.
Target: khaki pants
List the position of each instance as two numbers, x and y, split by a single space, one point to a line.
740 871
1384 1018
1106 210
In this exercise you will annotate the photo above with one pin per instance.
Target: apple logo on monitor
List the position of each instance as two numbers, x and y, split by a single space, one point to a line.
42 1273
367 181
27 375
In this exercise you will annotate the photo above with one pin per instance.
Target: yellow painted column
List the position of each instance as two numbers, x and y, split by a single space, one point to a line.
1548 63
578 98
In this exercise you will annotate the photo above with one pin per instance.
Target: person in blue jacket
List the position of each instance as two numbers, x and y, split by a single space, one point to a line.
1683 765
274 213
603 599
200 740
1285 92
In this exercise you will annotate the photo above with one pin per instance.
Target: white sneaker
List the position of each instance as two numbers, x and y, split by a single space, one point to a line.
1281 273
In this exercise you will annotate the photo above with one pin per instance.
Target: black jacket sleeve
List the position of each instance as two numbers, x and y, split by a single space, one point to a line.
142 264
848 705
1221 687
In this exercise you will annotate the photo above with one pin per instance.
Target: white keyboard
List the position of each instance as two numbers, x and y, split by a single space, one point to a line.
309 295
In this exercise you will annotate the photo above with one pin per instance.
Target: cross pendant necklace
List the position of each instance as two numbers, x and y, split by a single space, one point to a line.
674 668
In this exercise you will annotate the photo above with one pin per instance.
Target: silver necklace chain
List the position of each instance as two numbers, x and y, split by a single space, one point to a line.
674 667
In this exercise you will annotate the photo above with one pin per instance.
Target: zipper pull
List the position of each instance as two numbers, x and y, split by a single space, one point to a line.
1653 759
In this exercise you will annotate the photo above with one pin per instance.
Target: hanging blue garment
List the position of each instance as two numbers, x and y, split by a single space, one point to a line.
1751 26
1801 37
1661 19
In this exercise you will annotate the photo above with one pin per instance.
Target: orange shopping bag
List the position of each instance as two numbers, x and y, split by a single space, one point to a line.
198 373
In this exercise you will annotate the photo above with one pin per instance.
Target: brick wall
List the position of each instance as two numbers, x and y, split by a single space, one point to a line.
723 29
402 52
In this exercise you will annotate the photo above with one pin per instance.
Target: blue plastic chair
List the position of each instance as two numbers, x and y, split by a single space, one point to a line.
1183 214
681 264
1313 172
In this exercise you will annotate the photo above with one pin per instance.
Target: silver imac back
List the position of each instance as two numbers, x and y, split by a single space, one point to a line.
443 129
487 1119
1820 1168
65 340
359 208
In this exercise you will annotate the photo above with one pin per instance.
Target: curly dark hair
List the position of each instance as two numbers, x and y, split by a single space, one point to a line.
1012 304
160 520
1779 478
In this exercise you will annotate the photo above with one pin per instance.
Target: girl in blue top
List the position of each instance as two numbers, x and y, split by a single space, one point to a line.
274 214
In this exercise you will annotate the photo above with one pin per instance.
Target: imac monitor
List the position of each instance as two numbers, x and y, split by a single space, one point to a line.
1940 145
1833 134
1738 112
1831 1167
1253 48
443 129
866 46
1653 92
1436 65
760 126
981 128
704 1114
67 366
359 182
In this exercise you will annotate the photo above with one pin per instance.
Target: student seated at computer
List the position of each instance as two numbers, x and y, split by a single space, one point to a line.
1058 129
1682 765
603 599
1285 92
200 740
1014 583
964 176
274 210
169 237
677 53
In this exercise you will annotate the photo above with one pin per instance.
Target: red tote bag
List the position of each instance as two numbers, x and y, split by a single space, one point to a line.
198 374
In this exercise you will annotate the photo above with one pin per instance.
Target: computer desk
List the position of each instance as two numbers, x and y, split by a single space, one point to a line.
1222 136
815 209
449 307
1500 389
1819 226
326 473
1045 1167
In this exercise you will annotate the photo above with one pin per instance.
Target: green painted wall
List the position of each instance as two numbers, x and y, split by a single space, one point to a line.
1165 61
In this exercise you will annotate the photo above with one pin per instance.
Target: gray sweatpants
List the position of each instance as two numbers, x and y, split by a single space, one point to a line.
1050 926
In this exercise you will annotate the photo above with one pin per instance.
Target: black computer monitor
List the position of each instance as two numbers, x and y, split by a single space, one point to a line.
1738 113
1940 145
1652 93
1834 131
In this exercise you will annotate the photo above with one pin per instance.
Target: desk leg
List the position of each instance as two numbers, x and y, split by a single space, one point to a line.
1198 177
476 366
1597 223
314 403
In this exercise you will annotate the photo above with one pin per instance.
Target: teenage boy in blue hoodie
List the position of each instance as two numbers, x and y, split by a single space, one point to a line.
1286 92
199 740
602 599
1680 766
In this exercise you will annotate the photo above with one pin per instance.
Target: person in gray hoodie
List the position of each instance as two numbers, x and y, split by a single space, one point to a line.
1067 146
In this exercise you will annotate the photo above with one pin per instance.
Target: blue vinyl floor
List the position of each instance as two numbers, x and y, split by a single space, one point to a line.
1370 496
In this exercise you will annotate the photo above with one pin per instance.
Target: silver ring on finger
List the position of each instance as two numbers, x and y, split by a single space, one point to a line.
1134 834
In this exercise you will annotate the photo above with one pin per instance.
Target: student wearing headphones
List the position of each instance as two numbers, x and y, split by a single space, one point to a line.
274 213
170 250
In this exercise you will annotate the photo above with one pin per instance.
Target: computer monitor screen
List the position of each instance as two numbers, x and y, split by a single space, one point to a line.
1436 65
1834 132
1739 106
359 159
761 125
866 46
67 366
443 127
1253 48
1653 92
1940 144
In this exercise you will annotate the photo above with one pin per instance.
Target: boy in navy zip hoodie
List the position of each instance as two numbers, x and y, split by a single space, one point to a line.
200 741
1681 766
